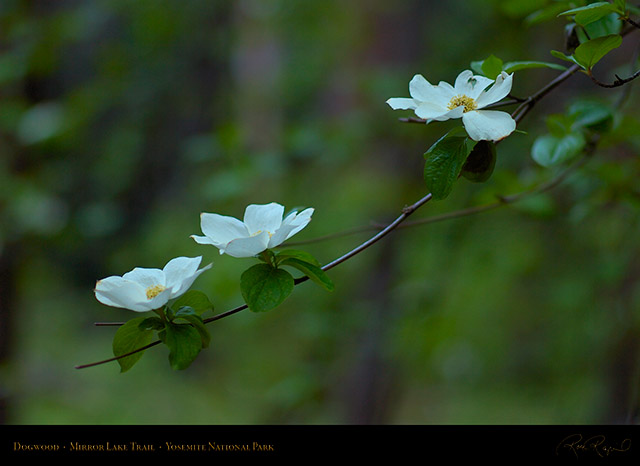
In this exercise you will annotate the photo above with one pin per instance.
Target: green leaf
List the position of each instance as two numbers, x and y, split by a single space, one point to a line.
607 25
267 255
481 162
591 52
152 323
295 254
559 124
512 66
547 13
492 67
312 271
621 6
130 337
551 150
593 12
194 299
190 315
184 343
264 287
444 161
476 66
562 56
591 114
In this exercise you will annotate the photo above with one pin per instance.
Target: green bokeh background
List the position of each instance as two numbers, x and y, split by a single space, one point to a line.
121 121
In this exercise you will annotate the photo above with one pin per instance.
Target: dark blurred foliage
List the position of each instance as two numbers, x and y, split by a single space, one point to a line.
120 121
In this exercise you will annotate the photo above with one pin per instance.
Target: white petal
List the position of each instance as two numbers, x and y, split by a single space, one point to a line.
497 92
423 91
157 301
221 229
447 88
265 217
430 111
401 103
180 274
118 292
180 280
291 225
301 220
146 277
451 114
248 247
205 240
488 125
470 85
479 84
462 85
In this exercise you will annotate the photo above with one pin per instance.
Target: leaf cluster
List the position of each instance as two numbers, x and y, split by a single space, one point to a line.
179 326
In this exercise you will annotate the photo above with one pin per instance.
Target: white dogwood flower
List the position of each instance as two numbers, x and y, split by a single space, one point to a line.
262 228
145 289
464 99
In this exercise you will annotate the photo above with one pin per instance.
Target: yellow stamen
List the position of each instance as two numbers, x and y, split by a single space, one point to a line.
154 291
462 100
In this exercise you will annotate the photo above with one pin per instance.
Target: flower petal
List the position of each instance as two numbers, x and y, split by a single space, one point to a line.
263 217
247 247
423 91
221 229
430 111
181 272
118 292
498 91
462 84
470 85
291 225
205 240
451 114
488 125
401 103
157 301
146 277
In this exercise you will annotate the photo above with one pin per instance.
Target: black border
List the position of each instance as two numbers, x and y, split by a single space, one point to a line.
324 442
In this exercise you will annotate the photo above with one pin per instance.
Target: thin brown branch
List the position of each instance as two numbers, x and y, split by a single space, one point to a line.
104 361
617 83
406 212
525 106
632 22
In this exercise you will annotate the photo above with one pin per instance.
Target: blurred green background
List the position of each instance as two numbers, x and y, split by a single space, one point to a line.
121 121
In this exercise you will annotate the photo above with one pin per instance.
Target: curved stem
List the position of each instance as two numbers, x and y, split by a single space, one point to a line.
525 106
617 83
104 361
393 225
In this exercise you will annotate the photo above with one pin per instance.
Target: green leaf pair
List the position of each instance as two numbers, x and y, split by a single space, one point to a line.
265 286
184 340
587 54
455 155
492 66
595 31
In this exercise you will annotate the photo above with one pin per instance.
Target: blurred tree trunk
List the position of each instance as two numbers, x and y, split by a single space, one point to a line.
623 364
367 393
8 264
368 386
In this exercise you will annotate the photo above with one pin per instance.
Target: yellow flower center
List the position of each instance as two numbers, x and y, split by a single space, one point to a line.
154 291
462 100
